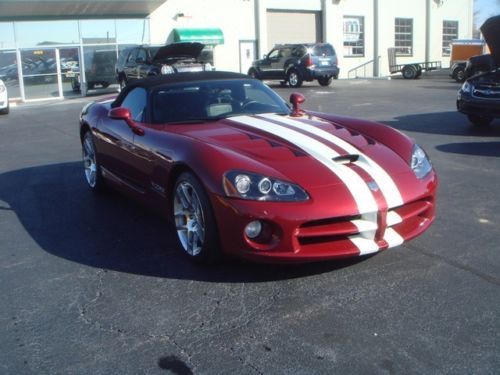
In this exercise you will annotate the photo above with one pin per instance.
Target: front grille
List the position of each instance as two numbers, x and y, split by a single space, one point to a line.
343 235
486 92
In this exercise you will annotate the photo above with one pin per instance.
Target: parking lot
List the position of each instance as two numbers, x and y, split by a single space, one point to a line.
96 284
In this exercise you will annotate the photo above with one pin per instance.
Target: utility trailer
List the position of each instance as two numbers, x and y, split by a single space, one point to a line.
411 70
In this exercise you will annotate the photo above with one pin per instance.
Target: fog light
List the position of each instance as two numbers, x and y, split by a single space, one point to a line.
253 229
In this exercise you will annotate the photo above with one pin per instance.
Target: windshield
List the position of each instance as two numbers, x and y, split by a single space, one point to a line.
213 100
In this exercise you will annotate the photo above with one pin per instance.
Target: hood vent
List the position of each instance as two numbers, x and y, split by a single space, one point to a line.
346 159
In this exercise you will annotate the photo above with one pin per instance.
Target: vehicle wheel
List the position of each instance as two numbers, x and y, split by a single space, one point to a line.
253 74
194 220
325 81
459 75
480 120
5 110
92 169
105 85
75 86
294 78
409 72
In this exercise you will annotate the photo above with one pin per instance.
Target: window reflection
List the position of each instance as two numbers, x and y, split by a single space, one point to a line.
7 35
98 31
40 33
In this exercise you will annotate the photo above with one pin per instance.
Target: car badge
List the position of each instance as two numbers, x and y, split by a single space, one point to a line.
372 185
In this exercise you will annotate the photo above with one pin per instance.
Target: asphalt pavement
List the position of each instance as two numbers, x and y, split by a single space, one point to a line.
97 285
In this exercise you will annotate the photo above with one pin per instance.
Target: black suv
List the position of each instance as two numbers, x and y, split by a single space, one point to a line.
142 61
296 63
479 97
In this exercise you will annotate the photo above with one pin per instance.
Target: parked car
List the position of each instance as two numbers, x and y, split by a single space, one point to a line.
4 98
296 63
143 61
479 96
99 70
240 172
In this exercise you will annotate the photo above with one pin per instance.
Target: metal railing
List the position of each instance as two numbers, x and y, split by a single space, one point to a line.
362 66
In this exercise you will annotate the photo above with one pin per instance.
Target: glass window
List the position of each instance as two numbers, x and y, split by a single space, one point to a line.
7 39
98 31
132 31
450 32
403 37
354 36
136 103
141 56
36 34
323 50
273 55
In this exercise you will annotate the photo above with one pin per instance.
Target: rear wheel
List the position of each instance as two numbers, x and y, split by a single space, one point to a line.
294 78
253 73
325 81
91 167
480 120
409 72
194 220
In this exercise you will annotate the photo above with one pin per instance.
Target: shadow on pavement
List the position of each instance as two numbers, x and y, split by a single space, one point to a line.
472 148
444 123
110 232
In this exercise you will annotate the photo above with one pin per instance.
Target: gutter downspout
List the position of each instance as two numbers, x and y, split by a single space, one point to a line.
428 30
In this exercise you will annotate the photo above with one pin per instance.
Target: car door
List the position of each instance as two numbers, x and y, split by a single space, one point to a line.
116 141
266 68
130 65
142 63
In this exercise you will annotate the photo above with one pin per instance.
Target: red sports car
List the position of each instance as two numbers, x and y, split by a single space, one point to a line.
240 172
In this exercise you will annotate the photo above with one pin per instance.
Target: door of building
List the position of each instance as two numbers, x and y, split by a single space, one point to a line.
247 55
41 74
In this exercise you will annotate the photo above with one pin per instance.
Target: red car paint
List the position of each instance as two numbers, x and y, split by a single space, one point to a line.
151 155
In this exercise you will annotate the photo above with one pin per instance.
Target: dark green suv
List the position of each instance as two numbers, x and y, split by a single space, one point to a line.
296 63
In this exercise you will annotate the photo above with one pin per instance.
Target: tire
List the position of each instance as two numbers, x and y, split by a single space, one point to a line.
6 110
252 73
409 72
325 81
459 75
194 220
294 78
479 120
75 86
92 169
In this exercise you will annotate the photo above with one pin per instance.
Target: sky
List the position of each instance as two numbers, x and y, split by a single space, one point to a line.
485 9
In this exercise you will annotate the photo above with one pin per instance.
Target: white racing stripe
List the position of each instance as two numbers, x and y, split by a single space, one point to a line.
380 176
359 190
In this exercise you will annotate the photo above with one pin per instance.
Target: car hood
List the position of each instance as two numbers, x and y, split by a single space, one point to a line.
310 151
491 32
179 50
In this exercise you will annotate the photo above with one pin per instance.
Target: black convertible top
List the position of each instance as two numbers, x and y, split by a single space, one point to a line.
161 80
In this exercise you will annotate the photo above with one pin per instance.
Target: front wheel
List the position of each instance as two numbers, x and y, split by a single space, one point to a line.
325 81
480 120
294 79
91 167
194 220
459 75
252 73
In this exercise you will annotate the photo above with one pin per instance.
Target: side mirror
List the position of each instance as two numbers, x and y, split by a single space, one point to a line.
121 113
296 99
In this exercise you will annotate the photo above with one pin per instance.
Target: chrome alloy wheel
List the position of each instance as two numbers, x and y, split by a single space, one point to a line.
89 160
189 218
293 79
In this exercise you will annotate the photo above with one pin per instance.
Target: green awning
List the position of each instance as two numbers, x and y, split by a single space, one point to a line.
206 36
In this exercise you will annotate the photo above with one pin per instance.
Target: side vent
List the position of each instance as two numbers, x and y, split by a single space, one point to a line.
346 159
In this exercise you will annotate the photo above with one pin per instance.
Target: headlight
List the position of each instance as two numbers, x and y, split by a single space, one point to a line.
167 69
253 186
420 163
467 87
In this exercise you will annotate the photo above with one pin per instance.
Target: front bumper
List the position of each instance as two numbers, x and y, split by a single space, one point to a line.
473 106
308 232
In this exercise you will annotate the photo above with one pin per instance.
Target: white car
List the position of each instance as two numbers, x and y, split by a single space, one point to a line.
4 99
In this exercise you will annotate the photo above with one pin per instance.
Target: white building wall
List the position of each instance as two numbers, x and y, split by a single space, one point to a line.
246 20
